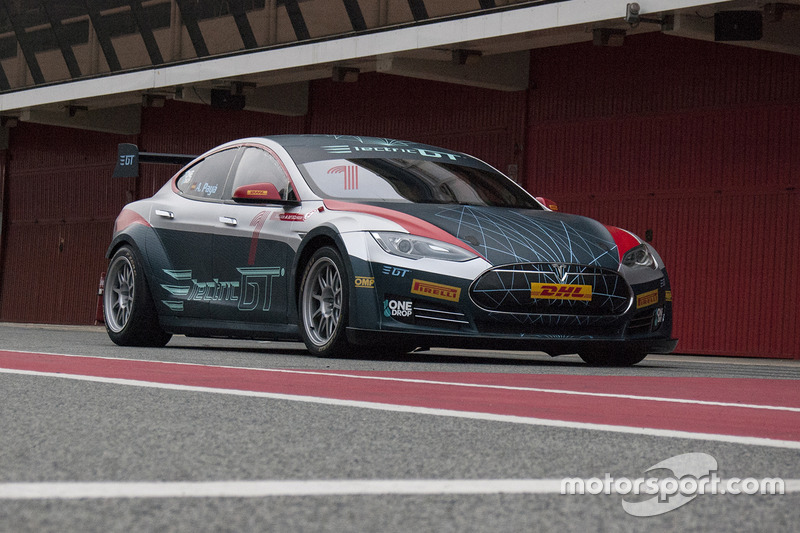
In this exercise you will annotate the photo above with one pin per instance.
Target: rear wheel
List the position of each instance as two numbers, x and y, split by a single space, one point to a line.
323 302
612 357
130 315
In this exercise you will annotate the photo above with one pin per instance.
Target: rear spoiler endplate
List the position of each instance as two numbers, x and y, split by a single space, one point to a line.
129 157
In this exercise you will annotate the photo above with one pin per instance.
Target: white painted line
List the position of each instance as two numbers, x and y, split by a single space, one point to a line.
256 489
272 488
750 441
550 391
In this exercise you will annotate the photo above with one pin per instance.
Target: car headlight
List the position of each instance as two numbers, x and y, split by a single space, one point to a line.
415 247
639 256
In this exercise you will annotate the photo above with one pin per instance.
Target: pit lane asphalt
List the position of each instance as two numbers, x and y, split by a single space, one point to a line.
53 429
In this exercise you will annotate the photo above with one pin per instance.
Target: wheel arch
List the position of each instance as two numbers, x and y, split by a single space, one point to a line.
313 241
141 240
119 241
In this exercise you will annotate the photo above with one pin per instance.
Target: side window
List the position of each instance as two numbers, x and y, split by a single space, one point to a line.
207 178
259 166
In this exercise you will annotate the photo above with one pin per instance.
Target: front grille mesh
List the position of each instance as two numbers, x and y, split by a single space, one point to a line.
507 289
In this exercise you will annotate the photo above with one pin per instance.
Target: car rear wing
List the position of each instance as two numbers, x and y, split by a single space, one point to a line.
129 157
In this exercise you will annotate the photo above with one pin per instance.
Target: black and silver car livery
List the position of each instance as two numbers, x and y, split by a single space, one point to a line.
348 242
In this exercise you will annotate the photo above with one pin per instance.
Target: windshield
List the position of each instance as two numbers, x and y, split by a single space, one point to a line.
413 181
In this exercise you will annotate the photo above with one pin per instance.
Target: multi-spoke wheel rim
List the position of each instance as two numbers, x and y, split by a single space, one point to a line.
322 301
119 294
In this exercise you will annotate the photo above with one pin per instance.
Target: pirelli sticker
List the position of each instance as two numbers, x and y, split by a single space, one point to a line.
646 299
365 282
557 291
436 290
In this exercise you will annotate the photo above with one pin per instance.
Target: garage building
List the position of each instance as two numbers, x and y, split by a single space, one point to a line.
678 120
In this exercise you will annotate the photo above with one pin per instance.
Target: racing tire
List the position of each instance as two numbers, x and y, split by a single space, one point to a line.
612 357
324 304
128 309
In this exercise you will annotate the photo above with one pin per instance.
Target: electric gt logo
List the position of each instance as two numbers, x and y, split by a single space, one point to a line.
646 299
395 271
397 308
433 154
435 290
252 291
553 291
365 282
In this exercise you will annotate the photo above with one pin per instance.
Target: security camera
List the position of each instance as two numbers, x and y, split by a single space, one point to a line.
632 14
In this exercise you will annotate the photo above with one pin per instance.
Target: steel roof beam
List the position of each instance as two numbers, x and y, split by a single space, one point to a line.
24 44
242 22
63 43
189 17
355 14
418 10
146 32
296 18
103 36
4 83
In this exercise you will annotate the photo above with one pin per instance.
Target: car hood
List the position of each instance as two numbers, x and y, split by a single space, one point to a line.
505 235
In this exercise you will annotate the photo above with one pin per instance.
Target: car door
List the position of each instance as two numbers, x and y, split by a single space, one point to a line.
184 223
253 243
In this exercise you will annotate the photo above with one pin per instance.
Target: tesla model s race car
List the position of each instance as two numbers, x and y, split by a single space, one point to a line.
349 242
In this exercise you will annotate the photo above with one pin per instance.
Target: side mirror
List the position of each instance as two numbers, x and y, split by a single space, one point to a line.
258 192
549 204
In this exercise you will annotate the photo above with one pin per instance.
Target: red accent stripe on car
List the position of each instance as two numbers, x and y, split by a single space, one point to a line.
412 224
624 239
127 218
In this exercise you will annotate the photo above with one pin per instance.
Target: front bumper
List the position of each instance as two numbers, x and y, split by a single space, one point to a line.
549 345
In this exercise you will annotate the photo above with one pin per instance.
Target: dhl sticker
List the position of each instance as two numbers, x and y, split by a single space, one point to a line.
646 298
668 296
435 290
365 282
556 291
257 192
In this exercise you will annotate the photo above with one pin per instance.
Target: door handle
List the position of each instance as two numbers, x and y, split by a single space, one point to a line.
165 214
230 221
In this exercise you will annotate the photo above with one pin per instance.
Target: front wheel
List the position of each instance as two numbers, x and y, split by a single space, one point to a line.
130 315
612 357
323 304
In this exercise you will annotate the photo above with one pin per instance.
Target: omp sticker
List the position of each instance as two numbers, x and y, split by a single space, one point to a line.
668 296
365 282
436 290
646 298
558 291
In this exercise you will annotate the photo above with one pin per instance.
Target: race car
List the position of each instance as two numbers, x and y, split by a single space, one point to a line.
355 244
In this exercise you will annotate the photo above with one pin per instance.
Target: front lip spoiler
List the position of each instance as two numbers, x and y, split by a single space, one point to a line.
549 345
